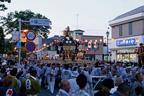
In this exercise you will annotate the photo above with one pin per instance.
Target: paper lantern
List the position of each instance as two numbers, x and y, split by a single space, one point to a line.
89 44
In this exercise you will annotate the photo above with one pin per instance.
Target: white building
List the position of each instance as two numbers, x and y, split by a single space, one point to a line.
128 33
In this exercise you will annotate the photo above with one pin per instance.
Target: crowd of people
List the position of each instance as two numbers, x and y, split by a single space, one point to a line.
26 78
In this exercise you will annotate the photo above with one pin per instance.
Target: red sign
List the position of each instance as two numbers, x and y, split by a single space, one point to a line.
23 35
31 35
136 49
30 46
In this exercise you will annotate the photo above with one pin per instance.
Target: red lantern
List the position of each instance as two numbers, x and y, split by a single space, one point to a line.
95 45
89 44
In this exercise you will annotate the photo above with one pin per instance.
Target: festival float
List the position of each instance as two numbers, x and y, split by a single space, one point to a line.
69 49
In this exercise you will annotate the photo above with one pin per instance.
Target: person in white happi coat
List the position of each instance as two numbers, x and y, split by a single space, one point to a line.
127 74
75 72
108 68
89 80
95 71
117 82
20 66
111 75
73 83
40 73
48 68
66 74
138 82
25 70
81 82
119 68
51 79
58 75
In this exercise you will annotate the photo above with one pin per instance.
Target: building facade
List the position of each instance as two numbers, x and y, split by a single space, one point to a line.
128 33
44 47
92 52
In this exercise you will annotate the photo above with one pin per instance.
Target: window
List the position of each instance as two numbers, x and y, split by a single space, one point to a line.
86 44
120 30
130 28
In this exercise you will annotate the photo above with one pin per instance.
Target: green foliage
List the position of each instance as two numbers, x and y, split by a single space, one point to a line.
7 47
2 6
23 52
1 34
2 41
10 22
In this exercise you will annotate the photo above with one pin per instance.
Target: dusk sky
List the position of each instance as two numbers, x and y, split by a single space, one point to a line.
93 14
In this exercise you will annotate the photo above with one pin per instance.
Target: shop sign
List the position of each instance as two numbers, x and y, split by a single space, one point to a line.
126 42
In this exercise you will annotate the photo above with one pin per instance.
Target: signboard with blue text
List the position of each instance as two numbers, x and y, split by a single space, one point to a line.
126 42
40 22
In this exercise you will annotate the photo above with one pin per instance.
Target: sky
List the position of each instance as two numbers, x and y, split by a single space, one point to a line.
93 15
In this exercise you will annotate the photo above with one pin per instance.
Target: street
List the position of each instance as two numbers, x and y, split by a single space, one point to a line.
45 92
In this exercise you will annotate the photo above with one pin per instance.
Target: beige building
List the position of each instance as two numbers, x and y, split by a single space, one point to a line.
128 33
92 53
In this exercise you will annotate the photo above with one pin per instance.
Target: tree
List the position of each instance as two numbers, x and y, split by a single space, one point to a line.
2 6
2 41
10 22
9 47
23 51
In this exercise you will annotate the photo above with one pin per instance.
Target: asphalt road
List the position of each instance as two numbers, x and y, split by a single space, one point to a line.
45 92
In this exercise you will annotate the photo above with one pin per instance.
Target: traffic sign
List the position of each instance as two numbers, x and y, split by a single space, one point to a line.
30 46
23 35
23 40
31 35
18 45
39 22
15 35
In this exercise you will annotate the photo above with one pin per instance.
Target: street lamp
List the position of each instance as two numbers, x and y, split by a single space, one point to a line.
44 44
15 48
107 34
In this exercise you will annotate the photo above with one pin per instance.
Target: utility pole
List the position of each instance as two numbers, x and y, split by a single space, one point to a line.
19 56
77 20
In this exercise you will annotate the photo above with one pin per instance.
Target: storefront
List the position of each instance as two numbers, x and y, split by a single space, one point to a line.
126 55
123 49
